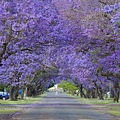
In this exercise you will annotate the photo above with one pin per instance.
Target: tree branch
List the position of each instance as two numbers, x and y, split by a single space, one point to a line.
104 3
107 74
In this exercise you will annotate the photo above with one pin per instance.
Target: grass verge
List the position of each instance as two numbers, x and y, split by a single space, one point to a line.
114 109
8 106
28 100
96 101
106 105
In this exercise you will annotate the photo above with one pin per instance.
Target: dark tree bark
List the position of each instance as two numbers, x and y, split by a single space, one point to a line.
14 92
99 91
88 94
116 91
81 91
94 93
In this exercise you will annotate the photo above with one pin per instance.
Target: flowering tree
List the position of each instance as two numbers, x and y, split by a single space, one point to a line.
27 29
112 67
94 34
67 38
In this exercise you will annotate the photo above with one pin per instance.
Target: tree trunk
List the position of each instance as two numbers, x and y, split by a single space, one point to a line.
11 92
81 91
101 94
94 93
14 93
24 92
99 91
88 94
116 92
30 90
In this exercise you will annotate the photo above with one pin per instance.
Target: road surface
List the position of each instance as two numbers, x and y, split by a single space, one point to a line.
59 106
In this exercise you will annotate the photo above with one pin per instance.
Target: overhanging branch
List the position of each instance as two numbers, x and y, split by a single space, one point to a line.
107 74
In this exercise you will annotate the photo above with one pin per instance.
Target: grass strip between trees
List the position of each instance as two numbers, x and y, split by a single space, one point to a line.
8 106
106 105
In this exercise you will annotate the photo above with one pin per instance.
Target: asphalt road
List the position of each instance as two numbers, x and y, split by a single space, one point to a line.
59 106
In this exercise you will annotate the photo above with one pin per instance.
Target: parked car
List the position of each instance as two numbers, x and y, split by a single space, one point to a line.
4 95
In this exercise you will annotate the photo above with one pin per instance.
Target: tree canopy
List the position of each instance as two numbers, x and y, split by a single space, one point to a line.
76 39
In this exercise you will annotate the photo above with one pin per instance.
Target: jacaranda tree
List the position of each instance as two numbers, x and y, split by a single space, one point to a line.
42 41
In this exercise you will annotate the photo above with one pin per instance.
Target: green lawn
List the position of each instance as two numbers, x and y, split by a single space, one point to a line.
28 100
4 109
96 101
111 108
106 104
114 109
9 109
